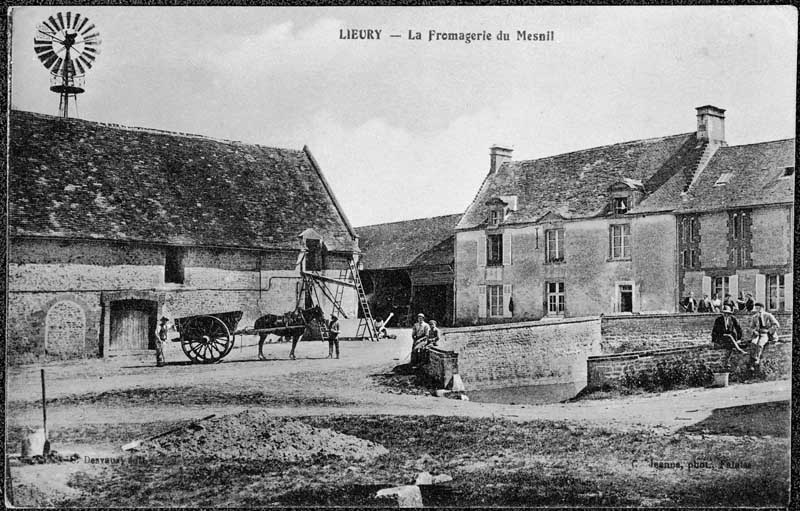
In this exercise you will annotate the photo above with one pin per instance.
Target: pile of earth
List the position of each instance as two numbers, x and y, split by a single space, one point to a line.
258 435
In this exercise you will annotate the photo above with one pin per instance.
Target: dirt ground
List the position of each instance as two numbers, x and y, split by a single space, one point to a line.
96 406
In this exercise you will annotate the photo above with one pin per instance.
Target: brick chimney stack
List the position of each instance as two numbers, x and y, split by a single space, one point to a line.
497 156
711 124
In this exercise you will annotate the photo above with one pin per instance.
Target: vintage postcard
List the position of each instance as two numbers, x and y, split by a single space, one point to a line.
510 256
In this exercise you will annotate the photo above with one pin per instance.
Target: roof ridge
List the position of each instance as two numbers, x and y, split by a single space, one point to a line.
759 143
155 131
601 146
410 220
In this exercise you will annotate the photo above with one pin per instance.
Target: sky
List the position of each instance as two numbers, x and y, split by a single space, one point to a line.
402 128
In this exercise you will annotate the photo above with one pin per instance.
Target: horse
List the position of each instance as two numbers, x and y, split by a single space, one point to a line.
290 321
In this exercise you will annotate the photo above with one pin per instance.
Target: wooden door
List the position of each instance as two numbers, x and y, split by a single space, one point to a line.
131 323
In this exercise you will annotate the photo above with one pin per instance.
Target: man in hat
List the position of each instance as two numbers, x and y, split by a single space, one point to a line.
764 327
333 336
726 331
419 337
161 338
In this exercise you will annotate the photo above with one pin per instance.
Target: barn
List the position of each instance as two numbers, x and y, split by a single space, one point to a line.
112 227
408 268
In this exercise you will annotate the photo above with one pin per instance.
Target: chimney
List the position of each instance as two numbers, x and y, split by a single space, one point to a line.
711 124
497 156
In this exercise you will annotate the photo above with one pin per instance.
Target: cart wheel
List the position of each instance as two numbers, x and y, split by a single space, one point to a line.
205 339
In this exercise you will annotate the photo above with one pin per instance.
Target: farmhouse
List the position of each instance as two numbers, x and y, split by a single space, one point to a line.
597 231
111 227
408 267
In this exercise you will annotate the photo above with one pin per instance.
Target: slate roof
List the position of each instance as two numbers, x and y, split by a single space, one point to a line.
419 242
575 185
756 178
73 178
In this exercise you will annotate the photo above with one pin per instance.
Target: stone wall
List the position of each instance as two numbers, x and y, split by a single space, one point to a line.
616 370
530 353
59 292
640 332
441 367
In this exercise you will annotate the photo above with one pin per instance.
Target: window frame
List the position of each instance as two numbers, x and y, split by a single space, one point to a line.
624 200
725 280
557 297
494 304
174 265
494 241
780 292
624 240
558 240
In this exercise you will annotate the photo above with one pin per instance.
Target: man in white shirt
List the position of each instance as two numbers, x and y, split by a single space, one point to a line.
764 327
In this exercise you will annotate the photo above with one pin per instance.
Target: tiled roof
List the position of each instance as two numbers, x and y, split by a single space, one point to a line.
424 241
72 178
755 179
575 185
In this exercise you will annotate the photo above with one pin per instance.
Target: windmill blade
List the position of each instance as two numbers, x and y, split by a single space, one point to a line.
91 37
86 62
75 19
69 19
88 29
54 23
48 63
84 22
91 50
93 42
81 69
57 67
60 21
45 28
43 52
39 44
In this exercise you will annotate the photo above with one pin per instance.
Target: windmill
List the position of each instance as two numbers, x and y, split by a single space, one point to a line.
67 44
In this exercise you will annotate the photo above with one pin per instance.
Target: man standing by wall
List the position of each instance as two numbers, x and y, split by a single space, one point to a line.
765 329
161 338
419 338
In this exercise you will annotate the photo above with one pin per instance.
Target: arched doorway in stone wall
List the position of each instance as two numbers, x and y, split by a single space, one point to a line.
133 325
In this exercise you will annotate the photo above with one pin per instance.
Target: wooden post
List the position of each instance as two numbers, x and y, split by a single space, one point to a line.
44 414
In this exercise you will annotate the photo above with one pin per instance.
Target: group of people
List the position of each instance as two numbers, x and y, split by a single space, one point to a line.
714 304
423 335
763 327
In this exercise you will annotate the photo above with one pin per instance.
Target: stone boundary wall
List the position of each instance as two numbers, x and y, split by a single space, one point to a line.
643 332
610 370
529 353
441 367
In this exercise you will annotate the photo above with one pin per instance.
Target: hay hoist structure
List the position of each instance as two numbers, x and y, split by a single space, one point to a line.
67 45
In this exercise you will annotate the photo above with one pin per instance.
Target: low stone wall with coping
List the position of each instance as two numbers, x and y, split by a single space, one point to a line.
627 369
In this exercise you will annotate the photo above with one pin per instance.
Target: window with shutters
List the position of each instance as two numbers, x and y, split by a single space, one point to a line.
689 241
776 292
620 241
555 298
494 250
554 245
620 205
173 265
494 300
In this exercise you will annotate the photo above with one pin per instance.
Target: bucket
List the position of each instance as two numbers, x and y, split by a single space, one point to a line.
721 379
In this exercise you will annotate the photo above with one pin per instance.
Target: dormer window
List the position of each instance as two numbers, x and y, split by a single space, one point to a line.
499 209
495 216
723 179
788 172
620 205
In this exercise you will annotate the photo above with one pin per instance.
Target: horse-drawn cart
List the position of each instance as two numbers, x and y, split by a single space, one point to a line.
208 338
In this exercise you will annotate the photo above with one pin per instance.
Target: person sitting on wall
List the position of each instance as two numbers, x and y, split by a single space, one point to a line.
689 303
765 328
419 338
730 302
705 305
716 303
727 332
434 335
747 304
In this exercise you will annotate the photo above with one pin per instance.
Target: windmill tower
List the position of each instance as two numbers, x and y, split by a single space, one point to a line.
67 44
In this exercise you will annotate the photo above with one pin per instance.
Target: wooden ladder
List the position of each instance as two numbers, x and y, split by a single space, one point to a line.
366 324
